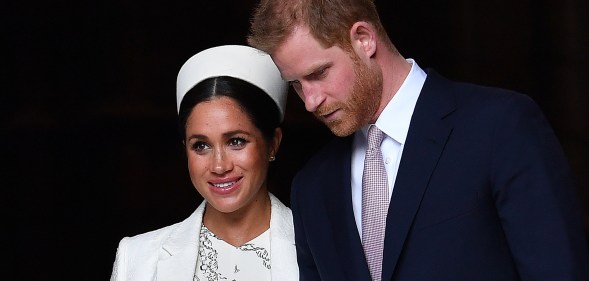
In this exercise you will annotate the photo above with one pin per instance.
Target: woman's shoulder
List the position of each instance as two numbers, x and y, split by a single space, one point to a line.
278 206
281 219
152 240
143 244
152 236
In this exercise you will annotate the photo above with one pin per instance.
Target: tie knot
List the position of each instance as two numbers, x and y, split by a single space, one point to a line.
375 137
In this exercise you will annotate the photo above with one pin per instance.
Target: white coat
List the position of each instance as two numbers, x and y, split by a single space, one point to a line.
169 253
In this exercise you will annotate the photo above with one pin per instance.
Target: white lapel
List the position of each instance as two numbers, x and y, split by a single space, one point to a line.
282 246
177 258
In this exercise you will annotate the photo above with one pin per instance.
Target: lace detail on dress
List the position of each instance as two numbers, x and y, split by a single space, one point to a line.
219 260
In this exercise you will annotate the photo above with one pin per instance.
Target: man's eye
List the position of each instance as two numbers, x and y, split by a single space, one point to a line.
296 85
321 72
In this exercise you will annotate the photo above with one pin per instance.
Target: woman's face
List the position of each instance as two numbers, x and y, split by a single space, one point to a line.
228 156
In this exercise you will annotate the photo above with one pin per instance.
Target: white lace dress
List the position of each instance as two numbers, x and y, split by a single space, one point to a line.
219 260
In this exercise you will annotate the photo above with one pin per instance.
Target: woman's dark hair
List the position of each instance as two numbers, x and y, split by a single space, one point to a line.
261 109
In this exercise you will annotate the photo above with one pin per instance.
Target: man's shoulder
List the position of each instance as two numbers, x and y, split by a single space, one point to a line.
438 89
334 152
440 83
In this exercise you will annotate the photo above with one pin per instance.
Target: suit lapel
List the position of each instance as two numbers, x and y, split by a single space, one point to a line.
344 232
177 260
429 130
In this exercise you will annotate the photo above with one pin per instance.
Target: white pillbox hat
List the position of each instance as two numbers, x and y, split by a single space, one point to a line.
241 62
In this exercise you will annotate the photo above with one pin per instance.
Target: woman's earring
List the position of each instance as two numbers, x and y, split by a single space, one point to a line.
272 158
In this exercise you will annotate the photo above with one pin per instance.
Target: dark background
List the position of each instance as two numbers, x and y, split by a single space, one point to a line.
89 141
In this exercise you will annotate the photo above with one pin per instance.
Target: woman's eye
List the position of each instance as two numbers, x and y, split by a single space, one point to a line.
237 142
199 146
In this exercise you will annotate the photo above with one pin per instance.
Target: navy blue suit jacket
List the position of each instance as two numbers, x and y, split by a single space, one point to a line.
483 192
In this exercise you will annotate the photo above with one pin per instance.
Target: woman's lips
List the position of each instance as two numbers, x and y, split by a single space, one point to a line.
225 186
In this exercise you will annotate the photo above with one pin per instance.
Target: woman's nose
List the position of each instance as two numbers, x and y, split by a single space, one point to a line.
221 162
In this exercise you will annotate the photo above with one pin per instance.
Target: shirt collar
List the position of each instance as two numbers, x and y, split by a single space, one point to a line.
396 116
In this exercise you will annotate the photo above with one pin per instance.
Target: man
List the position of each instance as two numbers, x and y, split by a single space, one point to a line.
476 186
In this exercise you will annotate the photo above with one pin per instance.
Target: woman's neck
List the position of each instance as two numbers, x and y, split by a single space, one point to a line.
240 227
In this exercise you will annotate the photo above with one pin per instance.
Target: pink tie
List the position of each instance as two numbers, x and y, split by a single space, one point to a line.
375 202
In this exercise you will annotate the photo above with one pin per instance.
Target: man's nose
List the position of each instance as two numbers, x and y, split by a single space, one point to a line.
311 96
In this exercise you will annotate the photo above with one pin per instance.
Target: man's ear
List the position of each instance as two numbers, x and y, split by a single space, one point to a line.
363 39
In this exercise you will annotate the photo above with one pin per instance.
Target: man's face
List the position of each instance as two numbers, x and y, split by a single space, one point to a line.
340 89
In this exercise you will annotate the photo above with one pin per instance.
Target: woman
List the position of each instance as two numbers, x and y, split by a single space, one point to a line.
231 101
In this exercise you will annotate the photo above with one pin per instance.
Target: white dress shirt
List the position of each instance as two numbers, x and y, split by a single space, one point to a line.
394 122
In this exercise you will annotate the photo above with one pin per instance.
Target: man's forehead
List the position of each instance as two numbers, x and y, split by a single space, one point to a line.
299 55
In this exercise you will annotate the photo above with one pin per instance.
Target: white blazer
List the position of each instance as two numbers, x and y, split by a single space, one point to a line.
170 253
